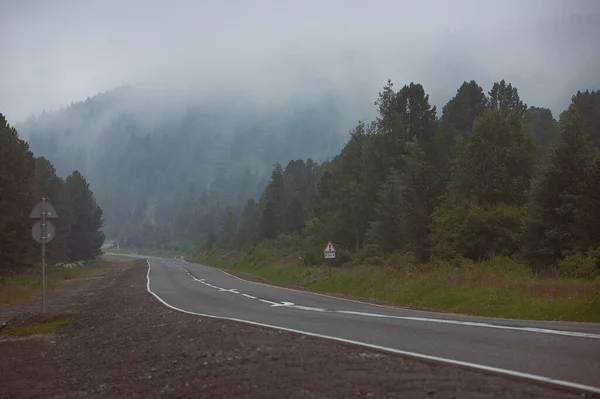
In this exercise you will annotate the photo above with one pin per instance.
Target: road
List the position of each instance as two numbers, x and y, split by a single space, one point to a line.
561 353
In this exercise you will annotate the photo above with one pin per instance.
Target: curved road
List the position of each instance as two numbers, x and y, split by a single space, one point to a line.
562 353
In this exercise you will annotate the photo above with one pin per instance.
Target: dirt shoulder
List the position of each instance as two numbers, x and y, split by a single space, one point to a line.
121 342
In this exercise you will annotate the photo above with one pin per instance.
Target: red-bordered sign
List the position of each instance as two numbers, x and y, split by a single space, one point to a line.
329 247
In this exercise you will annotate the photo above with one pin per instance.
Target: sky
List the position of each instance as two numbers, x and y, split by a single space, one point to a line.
57 52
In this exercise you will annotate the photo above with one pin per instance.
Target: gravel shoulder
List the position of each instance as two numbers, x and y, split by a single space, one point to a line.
122 343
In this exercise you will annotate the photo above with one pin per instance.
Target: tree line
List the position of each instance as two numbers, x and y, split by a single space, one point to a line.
491 176
24 180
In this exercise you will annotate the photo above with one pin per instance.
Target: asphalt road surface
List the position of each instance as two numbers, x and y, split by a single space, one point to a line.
562 353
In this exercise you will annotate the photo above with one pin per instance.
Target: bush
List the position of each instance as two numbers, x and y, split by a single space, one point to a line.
374 261
66 266
468 229
581 265
368 251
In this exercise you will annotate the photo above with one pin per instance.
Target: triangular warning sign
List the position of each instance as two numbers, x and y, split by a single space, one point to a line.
36 213
329 247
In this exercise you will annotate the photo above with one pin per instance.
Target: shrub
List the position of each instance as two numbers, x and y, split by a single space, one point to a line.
374 261
581 265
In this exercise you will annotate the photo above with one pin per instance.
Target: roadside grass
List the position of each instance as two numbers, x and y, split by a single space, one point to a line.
46 325
17 289
500 287
145 252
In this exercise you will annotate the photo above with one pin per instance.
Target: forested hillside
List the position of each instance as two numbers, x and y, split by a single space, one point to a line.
162 168
24 179
492 176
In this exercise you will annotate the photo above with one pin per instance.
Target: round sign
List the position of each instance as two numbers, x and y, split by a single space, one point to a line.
36 231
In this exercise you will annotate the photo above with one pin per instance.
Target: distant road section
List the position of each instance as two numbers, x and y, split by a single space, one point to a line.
566 354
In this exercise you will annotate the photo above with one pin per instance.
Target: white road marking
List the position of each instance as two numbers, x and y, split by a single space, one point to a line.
513 373
269 302
283 304
309 308
474 324
412 318
233 290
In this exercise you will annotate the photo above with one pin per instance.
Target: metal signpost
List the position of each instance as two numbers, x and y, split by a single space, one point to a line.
329 253
43 232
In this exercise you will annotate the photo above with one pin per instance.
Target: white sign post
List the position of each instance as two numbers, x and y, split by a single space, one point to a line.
329 253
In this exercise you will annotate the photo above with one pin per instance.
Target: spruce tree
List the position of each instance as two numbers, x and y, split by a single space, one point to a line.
556 195
17 247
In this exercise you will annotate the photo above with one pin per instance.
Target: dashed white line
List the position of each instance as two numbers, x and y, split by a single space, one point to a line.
513 373
411 318
269 302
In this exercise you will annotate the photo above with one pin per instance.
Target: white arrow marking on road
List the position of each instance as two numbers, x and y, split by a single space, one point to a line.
265 301
283 304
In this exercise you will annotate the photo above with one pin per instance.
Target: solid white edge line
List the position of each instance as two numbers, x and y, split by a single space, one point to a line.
513 373
435 320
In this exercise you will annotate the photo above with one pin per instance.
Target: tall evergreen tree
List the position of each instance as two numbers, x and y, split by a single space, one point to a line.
273 205
457 118
386 229
418 117
494 161
543 129
588 106
505 97
16 200
48 184
587 220
556 195
86 237
491 173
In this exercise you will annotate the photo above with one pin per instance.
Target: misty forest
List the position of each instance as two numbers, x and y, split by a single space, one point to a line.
24 180
488 176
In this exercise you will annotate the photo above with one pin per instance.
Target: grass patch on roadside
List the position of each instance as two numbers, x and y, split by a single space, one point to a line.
17 289
47 325
500 287
163 253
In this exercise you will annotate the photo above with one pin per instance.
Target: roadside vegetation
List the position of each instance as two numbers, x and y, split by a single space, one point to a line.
45 324
490 209
17 289
498 287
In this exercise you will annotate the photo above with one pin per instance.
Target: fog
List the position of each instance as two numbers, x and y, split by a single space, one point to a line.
267 51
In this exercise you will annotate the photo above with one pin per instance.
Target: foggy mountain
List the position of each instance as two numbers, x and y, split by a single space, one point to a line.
136 148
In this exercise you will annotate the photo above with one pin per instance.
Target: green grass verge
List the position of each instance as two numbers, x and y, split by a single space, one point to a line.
17 289
500 287
46 325
145 252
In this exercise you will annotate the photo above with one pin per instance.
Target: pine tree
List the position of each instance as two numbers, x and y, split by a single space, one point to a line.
491 173
543 129
420 194
48 184
504 97
494 161
556 195
386 229
86 237
418 118
273 205
227 230
588 106
16 200
458 116
587 220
